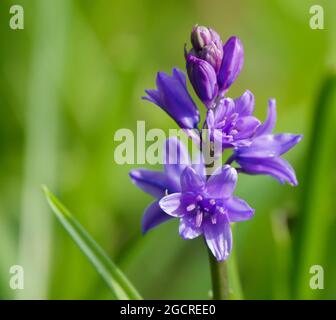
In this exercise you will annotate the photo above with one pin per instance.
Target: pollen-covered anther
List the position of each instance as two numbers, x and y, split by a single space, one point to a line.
234 132
220 209
213 219
212 202
199 218
191 207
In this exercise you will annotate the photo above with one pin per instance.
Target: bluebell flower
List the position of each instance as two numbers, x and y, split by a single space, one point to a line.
203 79
263 154
231 122
173 97
205 204
213 66
232 63
207 207
160 183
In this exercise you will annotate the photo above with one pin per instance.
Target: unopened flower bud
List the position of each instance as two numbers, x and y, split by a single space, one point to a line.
232 63
200 37
213 55
203 79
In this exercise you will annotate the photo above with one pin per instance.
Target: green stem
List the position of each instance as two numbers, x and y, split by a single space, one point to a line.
219 272
219 278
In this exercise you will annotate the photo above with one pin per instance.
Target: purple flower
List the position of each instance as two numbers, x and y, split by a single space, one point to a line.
203 79
208 207
202 36
232 63
157 183
205 204
231 122
173 97
213 67
262 156
207 45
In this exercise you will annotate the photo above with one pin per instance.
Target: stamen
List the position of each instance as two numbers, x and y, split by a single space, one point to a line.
213 219
221 124
212 201
191 207
220 209
234 116
234 132
199 218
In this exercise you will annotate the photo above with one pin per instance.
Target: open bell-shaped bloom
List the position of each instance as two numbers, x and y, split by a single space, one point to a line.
263 154
173 97
231 123
159 183
207 207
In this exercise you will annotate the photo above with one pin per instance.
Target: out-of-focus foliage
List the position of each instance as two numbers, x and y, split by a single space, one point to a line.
75 75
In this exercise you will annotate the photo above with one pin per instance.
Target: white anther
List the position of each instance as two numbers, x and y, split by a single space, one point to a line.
234 132
191 207
199 219
213 219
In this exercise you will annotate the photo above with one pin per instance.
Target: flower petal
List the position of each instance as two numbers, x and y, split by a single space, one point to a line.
191 181
152 182
176 158
269 124
153 216
222 182
232 63
218 238
246 127
171 204
268 146
188 228
278 168
178 204
198 164
224 109
244 105
238 209
173 97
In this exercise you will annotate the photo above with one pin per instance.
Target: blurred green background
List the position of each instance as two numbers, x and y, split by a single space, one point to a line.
75 75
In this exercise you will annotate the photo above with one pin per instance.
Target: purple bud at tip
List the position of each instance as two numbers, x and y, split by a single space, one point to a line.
203 79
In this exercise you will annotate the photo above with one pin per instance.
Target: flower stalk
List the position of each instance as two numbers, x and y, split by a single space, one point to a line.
201 193
219 278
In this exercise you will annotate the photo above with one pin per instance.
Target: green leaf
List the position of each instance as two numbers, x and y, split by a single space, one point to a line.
315 221
114 278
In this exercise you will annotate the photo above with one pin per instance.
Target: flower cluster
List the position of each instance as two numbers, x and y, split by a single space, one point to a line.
204 202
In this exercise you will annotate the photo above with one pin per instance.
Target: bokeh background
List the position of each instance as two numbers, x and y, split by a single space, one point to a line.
75 75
